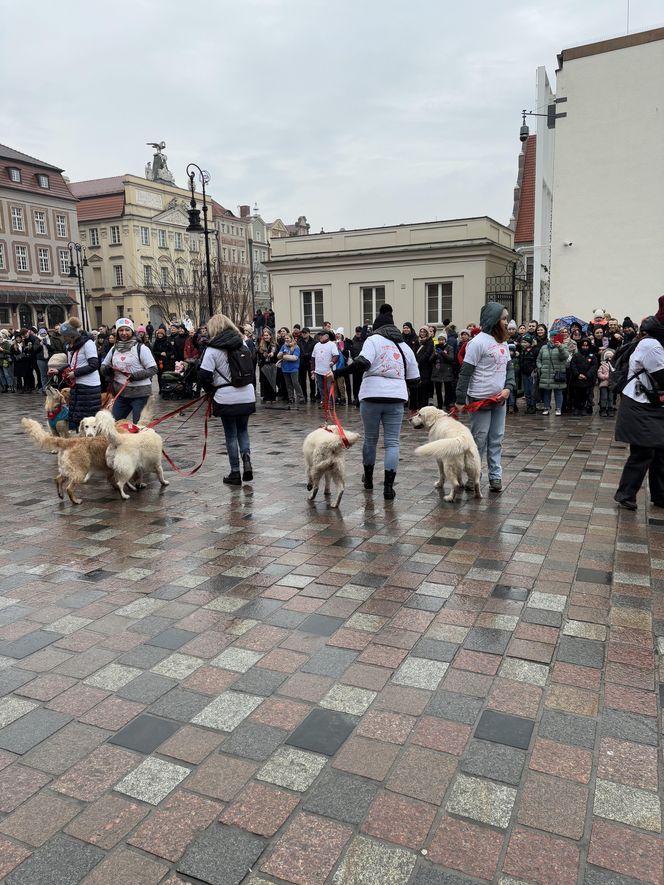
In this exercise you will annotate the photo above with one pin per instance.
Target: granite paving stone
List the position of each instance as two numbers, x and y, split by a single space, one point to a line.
239 850
61 861
340 796
628 763
554 805
538 857
348 699
495 761
397 819
107 821
260 809
292 768
18 783
563 760
626 852
481 800
38 819
25 733
568 729
308 850
152 780
466 847
227 711
144 734
502 728
422 774
11 855
367 862
323 731
628 805
221 776
170 828
66 747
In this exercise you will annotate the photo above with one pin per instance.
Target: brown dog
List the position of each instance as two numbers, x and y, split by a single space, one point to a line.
78 457
57 413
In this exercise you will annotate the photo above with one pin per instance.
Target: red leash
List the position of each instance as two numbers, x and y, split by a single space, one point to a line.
475 407
208 412
330 411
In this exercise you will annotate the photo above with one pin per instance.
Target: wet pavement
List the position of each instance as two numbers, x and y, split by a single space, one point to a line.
222 685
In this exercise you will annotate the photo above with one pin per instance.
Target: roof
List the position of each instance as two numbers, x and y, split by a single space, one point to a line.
97 187
8 153
30 168
94 208
602 46
525 217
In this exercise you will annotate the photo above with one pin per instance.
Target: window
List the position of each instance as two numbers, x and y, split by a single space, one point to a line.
44 260
373 297
42 181
14 174
243 257
164 277
17 219
115 235
65 260
145 236
21 253
40 222
118 274
162 239
4 316
3 260
179 276
439 302
225 254
194 245
312 308
94 236
61 225
178 240
120 310
147 274
234 256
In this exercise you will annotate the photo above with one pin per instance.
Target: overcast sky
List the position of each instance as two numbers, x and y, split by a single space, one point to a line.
351 112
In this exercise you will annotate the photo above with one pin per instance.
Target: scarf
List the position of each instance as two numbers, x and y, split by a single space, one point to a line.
125 346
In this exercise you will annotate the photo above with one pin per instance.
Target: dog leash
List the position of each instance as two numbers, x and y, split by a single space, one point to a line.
476 406
330 411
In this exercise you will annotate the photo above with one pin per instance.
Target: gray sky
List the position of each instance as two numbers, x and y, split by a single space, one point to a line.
352 112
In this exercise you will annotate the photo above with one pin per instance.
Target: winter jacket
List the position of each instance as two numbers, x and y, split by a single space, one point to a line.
442 367
214 375
424 357
552 359
583 364
603 373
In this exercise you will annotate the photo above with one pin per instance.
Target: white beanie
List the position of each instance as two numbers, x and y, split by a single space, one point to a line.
124 323
598 313
339 331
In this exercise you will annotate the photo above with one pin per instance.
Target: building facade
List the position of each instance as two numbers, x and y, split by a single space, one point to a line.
427 272
231 277
37 221
259 248
599 187
142 262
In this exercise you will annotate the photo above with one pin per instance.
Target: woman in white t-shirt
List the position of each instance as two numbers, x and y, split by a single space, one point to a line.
82 372
488 371
640 420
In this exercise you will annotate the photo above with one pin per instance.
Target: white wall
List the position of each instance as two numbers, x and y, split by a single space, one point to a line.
543 200
609 184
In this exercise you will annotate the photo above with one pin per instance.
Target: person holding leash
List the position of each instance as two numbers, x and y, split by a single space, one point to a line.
132 365
487 371
81 373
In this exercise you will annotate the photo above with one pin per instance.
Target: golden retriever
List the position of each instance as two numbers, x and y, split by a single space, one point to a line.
453 447
78 458
130 454
323 452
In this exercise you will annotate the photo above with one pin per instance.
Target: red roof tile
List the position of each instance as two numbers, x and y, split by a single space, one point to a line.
525 219
94 208
98 187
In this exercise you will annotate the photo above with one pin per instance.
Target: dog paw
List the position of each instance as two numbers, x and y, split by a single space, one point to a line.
165 482
124 496
141 485
439 485
310 486
449 498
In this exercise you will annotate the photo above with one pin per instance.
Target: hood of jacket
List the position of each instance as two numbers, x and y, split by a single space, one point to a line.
80 340
391 332
228 340
489 316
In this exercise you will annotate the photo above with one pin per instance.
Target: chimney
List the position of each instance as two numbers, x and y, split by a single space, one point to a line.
245 211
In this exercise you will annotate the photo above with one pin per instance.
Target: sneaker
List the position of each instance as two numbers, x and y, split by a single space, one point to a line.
545 412
558 412
627 505
495 485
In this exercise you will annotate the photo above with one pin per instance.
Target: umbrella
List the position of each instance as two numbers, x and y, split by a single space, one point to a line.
566 322
269 371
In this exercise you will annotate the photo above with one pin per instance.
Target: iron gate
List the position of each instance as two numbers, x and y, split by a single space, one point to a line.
514 292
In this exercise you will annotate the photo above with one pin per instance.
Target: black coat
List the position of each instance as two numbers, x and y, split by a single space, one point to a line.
583 364
424 357
640 424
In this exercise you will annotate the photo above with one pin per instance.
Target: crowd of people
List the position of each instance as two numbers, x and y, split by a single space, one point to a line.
382 369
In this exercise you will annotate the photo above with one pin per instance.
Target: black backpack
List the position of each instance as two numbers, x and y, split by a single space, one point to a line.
619 377
241 367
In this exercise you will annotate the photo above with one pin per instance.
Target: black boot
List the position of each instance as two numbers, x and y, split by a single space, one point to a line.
388 490
367 479
233 478
247 469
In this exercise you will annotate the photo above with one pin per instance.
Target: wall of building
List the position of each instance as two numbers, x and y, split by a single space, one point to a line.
609 184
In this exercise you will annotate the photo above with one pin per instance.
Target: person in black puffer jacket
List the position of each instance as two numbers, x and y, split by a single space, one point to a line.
82 372
583 371
424 357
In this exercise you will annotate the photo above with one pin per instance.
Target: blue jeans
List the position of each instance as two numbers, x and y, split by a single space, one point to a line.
322 383
528 390
42 368
124 405
390 415
7 376
236 431
488 429
546 398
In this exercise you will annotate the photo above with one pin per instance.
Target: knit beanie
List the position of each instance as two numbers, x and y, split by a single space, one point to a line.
385 317
70 328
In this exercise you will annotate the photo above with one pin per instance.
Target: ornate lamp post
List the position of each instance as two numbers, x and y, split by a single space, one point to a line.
195 226
77 261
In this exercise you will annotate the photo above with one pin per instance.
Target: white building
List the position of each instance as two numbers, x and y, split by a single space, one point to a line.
427 272
604 227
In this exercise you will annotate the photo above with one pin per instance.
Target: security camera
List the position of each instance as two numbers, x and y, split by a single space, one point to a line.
524 132
567 243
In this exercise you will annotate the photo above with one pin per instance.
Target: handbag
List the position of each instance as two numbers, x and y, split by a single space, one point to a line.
559 376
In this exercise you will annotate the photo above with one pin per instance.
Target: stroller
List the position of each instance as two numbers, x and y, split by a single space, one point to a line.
181 383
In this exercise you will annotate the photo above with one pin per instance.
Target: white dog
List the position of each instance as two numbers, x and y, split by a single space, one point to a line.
453 447
324 457
130 454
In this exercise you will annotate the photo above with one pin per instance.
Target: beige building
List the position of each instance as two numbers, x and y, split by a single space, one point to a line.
142 262
427 272
37 221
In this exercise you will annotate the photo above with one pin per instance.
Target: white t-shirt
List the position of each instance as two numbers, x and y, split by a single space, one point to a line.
80 358
648 355
490 360
385 377
216 361
323 354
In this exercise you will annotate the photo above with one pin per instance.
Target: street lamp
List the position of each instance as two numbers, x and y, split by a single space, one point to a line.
195 226
77 261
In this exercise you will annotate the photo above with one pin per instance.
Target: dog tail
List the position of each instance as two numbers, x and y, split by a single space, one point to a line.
444 448
43 439
147 414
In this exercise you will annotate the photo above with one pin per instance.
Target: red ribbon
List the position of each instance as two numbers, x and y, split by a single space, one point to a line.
330 411
476 406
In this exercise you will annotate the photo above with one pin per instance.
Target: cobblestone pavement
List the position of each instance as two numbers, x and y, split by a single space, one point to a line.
223 686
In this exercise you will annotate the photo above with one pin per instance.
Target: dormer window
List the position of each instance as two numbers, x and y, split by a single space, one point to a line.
42 181
14 174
